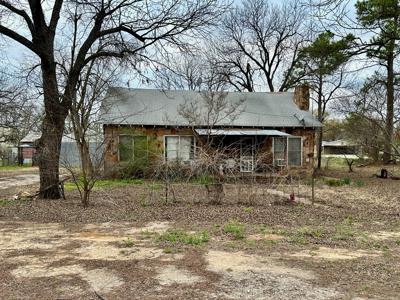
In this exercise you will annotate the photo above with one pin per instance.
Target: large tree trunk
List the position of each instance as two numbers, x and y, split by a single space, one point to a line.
49 145
387 154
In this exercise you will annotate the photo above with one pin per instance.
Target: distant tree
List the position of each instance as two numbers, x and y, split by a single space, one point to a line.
321 65
260 40
73 33
18 113
381 18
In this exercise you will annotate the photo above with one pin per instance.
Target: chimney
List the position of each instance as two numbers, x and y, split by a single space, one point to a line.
302 96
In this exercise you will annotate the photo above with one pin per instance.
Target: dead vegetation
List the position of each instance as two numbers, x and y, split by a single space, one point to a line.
250 245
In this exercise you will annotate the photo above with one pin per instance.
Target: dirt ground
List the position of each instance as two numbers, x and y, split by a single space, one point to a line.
258 246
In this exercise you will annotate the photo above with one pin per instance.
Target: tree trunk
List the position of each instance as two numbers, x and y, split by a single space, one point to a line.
48 154
387 154
49 144
320 118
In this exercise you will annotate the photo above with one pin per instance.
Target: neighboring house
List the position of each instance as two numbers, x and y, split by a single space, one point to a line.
152 124
339 147
27 150
69 153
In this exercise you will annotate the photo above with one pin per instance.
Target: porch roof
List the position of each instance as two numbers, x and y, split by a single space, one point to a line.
251 132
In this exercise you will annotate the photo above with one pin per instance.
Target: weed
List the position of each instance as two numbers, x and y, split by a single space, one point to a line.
145 234
346 180
4 202
235 228
203 179
298 239
128 243
179 236
172 250
312 232
144 201
349 220
359 183
398 242
248 209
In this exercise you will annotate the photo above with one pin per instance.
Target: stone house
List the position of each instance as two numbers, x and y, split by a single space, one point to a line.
149 124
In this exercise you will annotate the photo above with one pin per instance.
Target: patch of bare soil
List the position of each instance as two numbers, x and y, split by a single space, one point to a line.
255 277
334 254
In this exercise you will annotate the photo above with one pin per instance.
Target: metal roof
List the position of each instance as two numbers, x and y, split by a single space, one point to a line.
252 132
126 106
338 143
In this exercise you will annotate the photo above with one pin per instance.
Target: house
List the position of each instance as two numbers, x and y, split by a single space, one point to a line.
27 149
69 153
140 124
339 147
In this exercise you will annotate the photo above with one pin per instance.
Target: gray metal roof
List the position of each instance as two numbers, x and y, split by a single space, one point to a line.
338 143
161 108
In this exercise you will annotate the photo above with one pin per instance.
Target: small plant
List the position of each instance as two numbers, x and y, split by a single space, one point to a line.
248 209
145 234
235 228
298 239
344 231
171 250
128 243
180 236
203 179
346 180
312 232
398 242
359 183
332 181
4 202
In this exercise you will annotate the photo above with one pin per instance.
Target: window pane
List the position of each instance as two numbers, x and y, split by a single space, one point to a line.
186 148
125 148
171 147
280 151
294 152
140 148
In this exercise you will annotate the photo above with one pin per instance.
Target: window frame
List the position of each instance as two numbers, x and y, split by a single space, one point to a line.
179 146
287 150
133 146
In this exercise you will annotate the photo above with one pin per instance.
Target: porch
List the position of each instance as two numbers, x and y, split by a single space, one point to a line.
254 151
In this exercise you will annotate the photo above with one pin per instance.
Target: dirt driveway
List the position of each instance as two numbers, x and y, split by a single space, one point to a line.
18 180
119 261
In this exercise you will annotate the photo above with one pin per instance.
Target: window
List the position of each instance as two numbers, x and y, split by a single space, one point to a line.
132 148
287 151
294 151
179 148
280 151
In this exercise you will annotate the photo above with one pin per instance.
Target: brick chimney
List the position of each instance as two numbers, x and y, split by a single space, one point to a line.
302 96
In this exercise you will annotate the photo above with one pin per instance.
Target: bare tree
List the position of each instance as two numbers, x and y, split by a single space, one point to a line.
18 113
260 40
366 115
100 29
